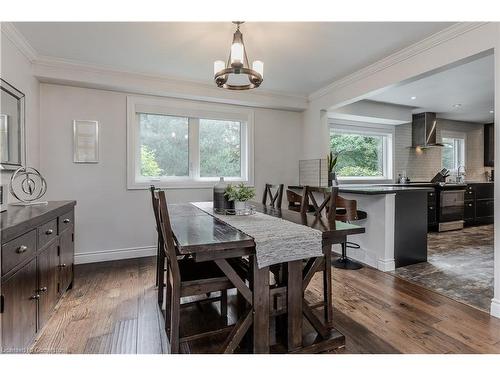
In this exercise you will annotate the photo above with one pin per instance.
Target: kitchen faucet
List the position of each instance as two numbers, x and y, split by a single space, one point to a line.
461 174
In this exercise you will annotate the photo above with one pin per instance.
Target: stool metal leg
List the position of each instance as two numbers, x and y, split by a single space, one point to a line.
344 262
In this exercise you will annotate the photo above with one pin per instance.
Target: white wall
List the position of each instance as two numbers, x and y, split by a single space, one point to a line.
111 221
16 69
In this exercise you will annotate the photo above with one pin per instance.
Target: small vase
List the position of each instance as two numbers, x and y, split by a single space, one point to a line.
239 205
332 179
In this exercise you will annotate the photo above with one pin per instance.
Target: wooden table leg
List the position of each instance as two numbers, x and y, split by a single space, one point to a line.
327 284
260 308
294 304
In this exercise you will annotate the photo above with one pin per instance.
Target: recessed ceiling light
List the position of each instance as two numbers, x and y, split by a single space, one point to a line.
413 98
458 105
492 111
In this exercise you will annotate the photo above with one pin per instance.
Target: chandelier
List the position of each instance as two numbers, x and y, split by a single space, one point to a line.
236 73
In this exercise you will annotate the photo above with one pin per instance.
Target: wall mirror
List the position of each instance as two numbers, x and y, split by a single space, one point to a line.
11 126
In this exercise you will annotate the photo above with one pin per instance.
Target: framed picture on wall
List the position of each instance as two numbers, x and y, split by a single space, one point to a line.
85 141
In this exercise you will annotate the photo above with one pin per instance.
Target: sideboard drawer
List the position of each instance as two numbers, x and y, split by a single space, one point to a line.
47 233
18 250
66 221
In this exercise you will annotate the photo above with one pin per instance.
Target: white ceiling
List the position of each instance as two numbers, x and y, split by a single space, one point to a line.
470 84
299 57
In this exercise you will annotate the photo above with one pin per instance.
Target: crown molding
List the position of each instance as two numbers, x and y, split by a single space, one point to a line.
18 39
425 44
64 71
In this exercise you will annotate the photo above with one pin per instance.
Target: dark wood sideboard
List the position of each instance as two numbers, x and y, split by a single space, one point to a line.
36 268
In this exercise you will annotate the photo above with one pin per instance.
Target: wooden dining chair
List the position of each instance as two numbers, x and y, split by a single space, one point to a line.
274 199
160 259
309 200
347 211
185 278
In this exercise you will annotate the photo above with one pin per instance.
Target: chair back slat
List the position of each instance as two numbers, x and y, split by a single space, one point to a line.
328 206
167 235
274 199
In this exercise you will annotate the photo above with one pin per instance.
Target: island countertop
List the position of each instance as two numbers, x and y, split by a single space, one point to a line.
375 189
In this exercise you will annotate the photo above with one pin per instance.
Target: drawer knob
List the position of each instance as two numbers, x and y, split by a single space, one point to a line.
49 231
35 297
62 265
21 249
42 289
66 221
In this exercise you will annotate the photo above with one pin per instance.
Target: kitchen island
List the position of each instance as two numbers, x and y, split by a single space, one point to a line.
395 227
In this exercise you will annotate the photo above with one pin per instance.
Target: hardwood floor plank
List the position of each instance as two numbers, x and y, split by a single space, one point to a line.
112 309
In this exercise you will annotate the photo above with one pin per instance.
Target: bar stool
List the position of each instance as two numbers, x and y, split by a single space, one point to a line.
346 211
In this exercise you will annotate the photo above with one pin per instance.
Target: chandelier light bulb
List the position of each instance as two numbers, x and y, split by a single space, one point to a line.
237 53
258 66
218 66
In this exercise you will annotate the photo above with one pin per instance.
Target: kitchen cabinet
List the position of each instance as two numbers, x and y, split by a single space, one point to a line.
36 269
66 259
48 281
489 145
479 204
19 306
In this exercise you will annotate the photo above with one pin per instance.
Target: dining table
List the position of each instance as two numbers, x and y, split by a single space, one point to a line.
205 237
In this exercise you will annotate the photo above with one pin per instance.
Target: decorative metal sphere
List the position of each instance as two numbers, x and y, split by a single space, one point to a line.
27 184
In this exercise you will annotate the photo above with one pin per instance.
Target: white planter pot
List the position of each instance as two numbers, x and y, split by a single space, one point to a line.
240 205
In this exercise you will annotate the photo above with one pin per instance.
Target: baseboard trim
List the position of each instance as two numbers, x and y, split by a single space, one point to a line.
495 307
115 254
386 265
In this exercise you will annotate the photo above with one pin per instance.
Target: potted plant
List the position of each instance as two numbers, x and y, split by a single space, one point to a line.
239 195
331 162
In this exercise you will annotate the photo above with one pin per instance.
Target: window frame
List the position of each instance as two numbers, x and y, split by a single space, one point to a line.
367 129
193 110
460 136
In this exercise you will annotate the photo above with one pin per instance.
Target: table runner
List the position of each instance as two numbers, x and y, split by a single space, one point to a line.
276 240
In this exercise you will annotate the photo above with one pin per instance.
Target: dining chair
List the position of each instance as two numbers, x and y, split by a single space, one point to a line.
309 201
185 278
274 199
347 211
160 259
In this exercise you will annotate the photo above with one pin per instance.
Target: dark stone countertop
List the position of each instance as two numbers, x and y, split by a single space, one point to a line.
376 189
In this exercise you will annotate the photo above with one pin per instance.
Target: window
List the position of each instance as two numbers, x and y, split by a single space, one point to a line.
365 153
453 154
174 143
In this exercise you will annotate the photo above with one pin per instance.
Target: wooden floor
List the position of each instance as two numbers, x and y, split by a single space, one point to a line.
112 309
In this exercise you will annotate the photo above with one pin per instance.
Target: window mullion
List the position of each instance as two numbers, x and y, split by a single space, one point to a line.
194 148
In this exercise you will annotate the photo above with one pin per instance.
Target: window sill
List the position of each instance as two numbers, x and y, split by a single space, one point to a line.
190 184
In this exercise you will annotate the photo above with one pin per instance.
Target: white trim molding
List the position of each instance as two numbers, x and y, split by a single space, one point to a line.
404 54
115 254
495 307
18 39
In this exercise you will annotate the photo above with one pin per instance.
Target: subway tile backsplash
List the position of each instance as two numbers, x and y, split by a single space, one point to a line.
423 165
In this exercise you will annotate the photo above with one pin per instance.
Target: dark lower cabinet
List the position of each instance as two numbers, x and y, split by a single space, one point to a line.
48 281
37 256
479 204
19 309
66 259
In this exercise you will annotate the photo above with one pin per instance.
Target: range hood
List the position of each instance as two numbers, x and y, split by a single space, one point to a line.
424 130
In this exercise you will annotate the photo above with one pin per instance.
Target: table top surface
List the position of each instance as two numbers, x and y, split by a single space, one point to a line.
196 230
